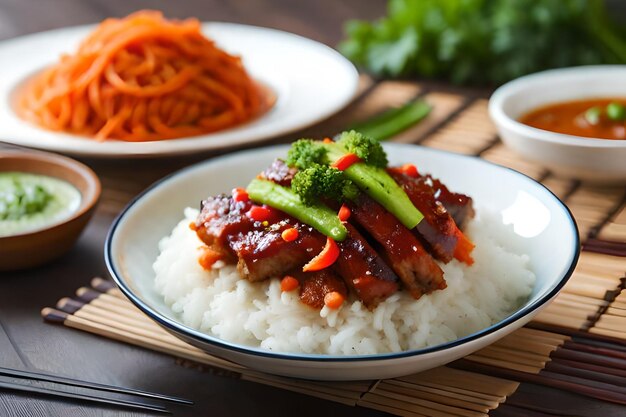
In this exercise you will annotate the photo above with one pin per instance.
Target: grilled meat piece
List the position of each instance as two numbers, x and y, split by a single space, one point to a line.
220 219
263 253
459 206
363 270
418 271
315 285
437 228
259 249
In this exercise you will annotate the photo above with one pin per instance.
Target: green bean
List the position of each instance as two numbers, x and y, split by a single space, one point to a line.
320 217
394 121
379 185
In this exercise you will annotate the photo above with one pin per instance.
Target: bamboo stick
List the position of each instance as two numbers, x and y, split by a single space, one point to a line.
574 323
439 397
620 312
417 407
531 369
473 400
618 334
408 402
515 356
387 409
459 379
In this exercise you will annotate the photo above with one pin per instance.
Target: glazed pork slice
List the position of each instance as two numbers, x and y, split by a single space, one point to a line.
221 218
459 206
438 229
259 249
360 267
315 285
363 270
262 253
418 271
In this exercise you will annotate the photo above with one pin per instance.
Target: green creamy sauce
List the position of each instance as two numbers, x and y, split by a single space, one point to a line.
29 202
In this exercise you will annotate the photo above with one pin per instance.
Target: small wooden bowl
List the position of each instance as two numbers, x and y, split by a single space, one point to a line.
37 247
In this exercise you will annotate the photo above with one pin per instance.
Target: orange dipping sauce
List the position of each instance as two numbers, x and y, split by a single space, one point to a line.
569 118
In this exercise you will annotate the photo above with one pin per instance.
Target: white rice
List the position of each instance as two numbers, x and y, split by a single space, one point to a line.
220 303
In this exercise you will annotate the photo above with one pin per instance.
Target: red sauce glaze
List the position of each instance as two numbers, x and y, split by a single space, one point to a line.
569 118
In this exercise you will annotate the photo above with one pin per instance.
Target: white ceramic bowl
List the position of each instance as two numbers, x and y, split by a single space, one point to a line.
549 234
598 160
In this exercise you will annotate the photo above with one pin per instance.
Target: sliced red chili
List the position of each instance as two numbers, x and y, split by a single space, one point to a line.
259 213
346 161
344 213
410 170
326 257
240 194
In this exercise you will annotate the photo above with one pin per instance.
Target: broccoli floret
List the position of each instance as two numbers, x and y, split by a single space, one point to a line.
322 181
366 148
305 153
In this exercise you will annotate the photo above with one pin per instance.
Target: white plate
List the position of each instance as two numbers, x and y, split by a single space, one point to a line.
311 81
549 233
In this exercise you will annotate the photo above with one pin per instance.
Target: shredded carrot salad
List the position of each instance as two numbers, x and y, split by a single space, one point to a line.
143 78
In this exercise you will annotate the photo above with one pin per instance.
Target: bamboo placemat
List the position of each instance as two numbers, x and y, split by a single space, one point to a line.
575 346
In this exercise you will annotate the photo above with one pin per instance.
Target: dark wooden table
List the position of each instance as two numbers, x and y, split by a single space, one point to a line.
25 341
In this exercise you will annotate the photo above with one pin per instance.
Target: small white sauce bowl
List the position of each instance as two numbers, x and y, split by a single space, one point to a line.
597 160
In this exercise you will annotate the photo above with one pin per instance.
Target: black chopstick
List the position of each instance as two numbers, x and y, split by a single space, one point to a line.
84 397
91 385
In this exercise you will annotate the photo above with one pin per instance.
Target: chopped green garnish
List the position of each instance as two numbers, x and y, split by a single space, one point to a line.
616 111
367 149
22 200
306 152
322 181
592 115
323 219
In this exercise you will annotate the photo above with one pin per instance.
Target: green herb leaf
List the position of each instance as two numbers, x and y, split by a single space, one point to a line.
484 41
616 112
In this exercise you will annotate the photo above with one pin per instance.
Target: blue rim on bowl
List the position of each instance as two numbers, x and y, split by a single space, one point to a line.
178 328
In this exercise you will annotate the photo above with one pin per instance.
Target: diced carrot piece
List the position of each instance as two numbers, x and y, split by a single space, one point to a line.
288 283
327 140
464 248
326 257
344 213
333 300
346 161
208 257
289 235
